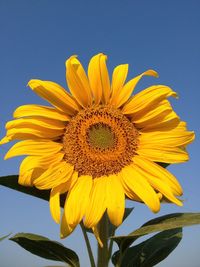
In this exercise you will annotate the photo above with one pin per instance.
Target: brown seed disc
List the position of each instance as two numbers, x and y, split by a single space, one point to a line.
100 141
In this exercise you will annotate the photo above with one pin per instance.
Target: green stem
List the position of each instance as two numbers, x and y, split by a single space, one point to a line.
110 248
103 256
111 244
89 249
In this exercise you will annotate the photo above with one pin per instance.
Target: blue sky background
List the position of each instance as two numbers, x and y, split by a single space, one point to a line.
36 37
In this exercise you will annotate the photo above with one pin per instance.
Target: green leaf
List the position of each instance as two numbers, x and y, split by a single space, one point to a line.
11 181
119 257
150 252
45 248
4 237
166 222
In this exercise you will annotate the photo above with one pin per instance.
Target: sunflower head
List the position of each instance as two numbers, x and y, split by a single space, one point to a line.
99 143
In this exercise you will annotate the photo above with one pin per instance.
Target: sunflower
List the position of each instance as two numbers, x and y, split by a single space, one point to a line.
98 144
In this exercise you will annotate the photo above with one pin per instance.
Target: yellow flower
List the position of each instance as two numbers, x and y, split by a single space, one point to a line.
99 144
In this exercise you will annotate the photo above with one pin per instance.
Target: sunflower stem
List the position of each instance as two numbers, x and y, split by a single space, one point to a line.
110 248
103 253
89 249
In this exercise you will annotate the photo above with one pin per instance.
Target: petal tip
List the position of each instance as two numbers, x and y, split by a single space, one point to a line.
175 95
4 140
62 236
6 157
153 73
156 208
68 61
179 202
33 84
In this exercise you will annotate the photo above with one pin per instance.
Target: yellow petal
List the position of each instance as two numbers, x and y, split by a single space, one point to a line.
78 82
166 123
115 200
160 153
152 112
165 118
65 229
54 203
29 128
77 200
157 171
55 196
97 204
30 163
99 79
159 185
5 140
33 132
154 115
129 194
94 78
34 148
128 88
164 189
42 122
55 175
26 170
40 111
56 95
54 200
71 182
182 126
148 97
135 182
172 138
118 80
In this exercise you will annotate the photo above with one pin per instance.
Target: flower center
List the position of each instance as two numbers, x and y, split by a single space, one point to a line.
101 136
100 141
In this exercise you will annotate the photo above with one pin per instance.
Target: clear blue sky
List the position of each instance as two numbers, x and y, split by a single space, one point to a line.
36 37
